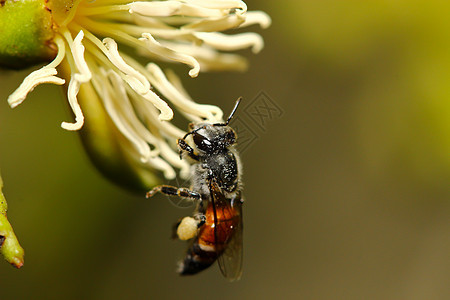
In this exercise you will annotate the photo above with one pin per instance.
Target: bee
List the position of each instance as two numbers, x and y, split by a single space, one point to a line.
216 187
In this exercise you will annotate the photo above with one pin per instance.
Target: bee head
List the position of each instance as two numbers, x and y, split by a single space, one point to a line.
211 138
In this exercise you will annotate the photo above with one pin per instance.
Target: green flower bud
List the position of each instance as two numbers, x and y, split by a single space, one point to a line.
9 245
25 33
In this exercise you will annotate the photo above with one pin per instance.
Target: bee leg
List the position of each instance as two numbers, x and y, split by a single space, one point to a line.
174 191
201 218
184 147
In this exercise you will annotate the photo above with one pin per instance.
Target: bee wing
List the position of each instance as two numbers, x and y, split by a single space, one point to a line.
231 259
230 250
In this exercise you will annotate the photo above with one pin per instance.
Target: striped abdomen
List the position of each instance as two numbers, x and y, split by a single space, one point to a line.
206 249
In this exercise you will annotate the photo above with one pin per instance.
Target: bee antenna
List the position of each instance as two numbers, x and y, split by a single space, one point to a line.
218 124
233 111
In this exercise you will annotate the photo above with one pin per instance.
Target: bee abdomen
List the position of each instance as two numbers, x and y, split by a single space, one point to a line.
197 259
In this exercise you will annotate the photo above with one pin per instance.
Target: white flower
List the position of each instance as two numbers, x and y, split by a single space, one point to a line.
187 31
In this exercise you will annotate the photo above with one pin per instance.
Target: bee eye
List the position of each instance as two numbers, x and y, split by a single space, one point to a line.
202 143
230 137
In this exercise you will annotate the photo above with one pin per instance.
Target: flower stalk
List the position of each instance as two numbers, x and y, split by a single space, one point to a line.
9 245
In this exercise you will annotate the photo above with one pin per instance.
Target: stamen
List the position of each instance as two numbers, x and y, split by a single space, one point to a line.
71 14
176 82
210 59
257 17
136 80
170 8
154 163
225 42
155 47
220 4
61 52
128 113
151 22
72 92
116 32
129 33
219 24
174 159
109 48
78 56
124 127
210 112
43 75
152 160
166 111
91 11
150 116
78 62
160 164
177 20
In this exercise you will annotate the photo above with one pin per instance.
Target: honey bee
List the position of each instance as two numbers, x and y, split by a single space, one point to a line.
216 187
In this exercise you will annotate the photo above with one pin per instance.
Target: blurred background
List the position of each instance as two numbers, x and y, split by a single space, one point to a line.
347 186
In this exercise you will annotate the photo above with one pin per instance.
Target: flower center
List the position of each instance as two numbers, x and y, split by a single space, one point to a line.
63 11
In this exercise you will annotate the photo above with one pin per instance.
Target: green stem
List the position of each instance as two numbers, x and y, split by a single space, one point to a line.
9 245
